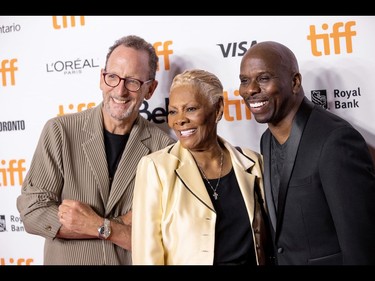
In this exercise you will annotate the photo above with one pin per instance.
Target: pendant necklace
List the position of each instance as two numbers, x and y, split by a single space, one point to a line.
215 195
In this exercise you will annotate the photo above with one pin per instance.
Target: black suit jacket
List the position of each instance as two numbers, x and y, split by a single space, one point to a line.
326 204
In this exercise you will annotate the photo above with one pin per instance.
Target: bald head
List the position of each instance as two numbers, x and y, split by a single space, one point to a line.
276 53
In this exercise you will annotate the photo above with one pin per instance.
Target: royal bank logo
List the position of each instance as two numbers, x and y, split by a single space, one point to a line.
15 224
319 97
3 226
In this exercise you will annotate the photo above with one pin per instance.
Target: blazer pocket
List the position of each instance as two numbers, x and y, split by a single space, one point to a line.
335 259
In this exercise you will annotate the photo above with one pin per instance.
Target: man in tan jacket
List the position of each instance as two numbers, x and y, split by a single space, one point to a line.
79 189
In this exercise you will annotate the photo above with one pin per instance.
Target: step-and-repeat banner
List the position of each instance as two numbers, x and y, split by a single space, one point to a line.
50 66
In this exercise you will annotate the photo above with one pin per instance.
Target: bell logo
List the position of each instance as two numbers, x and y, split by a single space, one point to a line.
335 35
7 66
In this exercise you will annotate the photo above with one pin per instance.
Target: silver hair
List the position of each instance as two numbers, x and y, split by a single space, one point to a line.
206 83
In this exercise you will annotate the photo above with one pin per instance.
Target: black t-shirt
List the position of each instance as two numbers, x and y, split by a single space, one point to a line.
114 147
278 156
233 235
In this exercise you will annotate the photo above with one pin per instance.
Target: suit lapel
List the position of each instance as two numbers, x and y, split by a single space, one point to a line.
135 149
190 176
265 149
95 153
94 149
246 182
298 126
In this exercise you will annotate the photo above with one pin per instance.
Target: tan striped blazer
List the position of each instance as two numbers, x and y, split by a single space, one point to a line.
70 163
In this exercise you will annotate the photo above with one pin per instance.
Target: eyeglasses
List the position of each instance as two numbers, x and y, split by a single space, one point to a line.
131 84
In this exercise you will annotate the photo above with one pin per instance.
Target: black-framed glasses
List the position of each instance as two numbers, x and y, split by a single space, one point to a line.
131 84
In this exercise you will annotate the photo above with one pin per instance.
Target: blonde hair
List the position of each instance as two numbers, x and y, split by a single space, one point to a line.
207 83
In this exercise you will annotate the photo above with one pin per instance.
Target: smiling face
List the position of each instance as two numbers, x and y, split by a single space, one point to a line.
270 83
193 117
120 104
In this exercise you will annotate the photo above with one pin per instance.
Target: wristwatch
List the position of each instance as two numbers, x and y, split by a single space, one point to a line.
104 231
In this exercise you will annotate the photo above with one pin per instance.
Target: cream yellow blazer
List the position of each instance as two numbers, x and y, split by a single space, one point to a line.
173 219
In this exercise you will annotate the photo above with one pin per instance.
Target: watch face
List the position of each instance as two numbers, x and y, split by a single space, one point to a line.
103 234
101 230
105 230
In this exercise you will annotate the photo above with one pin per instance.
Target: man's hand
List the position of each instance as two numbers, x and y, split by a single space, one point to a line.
78 220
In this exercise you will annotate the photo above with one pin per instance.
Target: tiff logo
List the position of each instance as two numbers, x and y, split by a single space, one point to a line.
75 108
165 52
7 66
337 33
8 171
16 261
237 105
57 25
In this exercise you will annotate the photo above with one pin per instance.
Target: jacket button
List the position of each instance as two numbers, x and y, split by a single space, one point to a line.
280 250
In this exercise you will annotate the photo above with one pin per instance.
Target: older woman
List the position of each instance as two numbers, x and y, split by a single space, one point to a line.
199 201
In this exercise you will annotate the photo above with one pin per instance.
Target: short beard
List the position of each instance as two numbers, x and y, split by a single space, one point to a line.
123 116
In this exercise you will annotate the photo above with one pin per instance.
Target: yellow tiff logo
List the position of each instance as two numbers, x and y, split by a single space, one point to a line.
67 21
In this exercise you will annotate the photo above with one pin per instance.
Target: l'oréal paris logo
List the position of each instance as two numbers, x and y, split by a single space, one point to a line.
68 67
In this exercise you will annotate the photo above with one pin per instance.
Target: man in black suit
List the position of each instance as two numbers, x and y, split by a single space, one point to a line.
319 175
